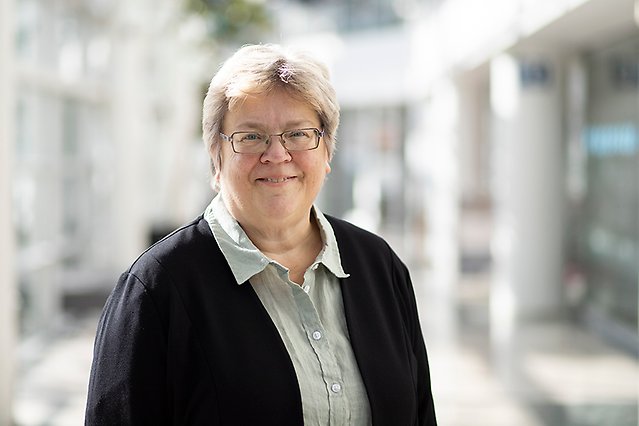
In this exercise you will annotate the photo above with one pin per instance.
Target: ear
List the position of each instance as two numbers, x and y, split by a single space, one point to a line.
216 176
328 167
215 181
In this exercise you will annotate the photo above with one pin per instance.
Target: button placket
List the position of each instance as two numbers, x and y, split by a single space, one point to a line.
319 341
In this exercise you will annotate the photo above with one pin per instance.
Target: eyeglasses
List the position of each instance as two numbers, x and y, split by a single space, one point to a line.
291 140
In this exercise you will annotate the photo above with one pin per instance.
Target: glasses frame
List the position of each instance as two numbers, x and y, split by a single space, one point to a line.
229 138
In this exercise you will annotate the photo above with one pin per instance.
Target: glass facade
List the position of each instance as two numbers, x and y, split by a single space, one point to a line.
348 16
99 128
605 235
61 150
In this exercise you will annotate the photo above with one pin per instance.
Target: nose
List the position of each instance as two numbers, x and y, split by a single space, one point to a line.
275 151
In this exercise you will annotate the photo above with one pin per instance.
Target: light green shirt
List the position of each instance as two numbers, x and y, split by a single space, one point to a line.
310 319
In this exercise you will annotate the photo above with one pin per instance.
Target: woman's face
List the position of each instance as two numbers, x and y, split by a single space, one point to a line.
276 186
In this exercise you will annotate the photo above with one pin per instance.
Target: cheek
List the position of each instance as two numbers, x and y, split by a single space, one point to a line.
321 169
236 168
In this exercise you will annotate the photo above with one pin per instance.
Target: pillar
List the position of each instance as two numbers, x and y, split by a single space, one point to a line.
130 116
8 313
526 136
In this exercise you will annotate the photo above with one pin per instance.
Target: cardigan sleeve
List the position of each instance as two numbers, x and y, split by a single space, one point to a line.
128 376
426 409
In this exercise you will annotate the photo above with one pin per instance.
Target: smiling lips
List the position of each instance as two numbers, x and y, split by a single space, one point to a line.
277 180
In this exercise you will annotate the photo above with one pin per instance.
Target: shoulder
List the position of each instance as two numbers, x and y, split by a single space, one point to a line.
183 242
182 262
347 231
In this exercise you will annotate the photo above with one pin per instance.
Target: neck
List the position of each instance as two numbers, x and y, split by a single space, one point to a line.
295 247
277 237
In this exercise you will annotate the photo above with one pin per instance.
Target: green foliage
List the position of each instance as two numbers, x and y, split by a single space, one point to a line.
231 20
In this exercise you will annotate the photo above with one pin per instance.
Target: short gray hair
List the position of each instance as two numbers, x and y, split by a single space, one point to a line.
256 69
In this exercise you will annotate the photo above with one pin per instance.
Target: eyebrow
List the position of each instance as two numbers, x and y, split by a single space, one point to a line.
295 124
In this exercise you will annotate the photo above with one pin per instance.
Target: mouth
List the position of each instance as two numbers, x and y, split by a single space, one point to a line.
277 180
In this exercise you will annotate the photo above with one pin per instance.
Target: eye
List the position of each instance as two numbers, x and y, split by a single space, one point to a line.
298 134
249 137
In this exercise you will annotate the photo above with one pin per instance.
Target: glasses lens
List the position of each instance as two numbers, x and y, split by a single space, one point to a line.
248 142
301 139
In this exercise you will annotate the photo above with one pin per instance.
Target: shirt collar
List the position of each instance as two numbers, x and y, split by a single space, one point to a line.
329 256
246 260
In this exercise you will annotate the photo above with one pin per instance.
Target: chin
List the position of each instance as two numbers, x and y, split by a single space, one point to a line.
284 208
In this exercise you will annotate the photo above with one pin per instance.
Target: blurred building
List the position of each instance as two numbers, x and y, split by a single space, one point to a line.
498 137
106 117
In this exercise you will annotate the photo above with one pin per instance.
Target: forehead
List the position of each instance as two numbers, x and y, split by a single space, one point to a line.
276 108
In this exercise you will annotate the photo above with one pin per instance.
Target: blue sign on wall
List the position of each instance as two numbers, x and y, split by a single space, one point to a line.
612 139
534 73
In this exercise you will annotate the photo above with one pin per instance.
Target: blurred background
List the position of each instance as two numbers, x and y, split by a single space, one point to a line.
495 144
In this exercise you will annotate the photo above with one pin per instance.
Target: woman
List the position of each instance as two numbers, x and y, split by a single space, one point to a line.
264 311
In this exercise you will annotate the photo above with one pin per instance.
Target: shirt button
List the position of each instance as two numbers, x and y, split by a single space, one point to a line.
317 335
336 387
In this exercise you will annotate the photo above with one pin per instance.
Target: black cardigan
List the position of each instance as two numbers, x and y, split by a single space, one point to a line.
180 343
